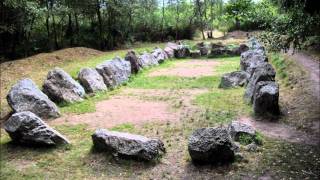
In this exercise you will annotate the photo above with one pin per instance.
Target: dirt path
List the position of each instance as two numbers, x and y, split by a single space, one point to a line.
281 131
312 67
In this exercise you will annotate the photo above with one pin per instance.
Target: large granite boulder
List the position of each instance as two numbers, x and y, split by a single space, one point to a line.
147 60
222 51
60 87
234 79
250 59
182 51
195 54
27 128
266 98
91 80
211 146
128 145
25 96
114 72
172 45
240 49
261 73
132 57
203 48
169 52
159 55
237 129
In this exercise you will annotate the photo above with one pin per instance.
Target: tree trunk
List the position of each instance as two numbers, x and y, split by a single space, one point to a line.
100 24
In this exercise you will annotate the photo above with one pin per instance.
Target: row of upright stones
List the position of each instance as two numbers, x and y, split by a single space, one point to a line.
31 105
258 75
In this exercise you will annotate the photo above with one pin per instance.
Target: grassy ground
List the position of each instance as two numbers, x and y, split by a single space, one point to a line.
275 159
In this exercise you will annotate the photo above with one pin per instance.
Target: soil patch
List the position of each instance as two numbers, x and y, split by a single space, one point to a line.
192 68
135 106
281 131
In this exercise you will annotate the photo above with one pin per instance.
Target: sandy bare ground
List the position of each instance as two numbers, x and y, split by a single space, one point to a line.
134 106
193 68
281 131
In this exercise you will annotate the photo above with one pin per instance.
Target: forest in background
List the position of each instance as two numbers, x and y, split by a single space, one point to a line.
28 27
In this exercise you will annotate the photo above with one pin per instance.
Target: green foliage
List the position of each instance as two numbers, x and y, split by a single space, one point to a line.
126 127
246 139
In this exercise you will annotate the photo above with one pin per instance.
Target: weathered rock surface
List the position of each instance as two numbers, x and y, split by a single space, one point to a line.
25 96
127 145
147 60
114 72
169 51
265 72
240 49
91 80
195 54
251 59
182 51
203 48
132 57
211 145
27 128
222 51
159 55
60 87
236 129
266 98
216 45
233 79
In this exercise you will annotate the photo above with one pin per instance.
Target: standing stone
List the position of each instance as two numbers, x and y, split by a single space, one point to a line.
222 51
234 79
240 49
251 59
147 60
159 55
169 51
133 59
182 51
91 80
60 87
25 96
261 73
202 47
211 145
266 98
114 72
27 128
237 128
127 145
195 54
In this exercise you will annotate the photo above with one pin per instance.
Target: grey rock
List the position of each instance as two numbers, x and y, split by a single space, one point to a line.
234 79
211 146
147 60
132 57
265 72
195 54
254 44
223 51
114 72
159 55
127 145
182 51
91 80
25 96
251 59
60 87
240 49
169 51
237 129
216 45
27 128
266 98
172 45
203 48
252 147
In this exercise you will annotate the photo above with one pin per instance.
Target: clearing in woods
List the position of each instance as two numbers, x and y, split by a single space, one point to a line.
167 102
